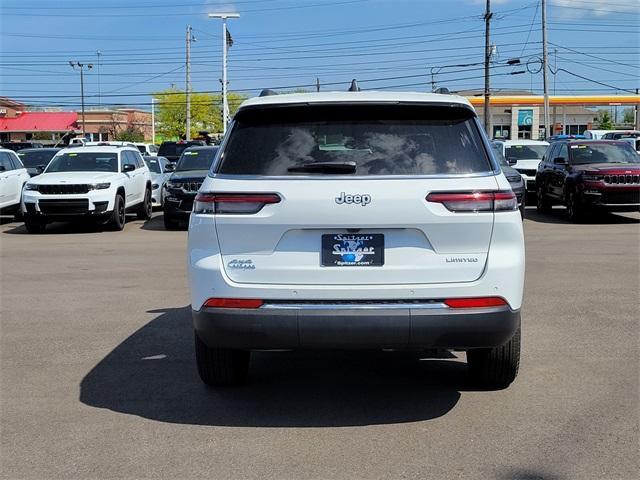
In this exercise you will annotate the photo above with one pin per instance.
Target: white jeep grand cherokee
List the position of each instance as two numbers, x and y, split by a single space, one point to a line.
97 183
356 220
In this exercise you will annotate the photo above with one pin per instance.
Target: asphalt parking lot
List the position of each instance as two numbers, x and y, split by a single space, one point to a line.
98 377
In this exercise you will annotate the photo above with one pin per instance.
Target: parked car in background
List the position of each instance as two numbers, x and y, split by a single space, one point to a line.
621 134
15 146
147 149
595 134
172 150
589 175
159 175
184 183
36 160
98 184
323 227
524 156
13 177
513 176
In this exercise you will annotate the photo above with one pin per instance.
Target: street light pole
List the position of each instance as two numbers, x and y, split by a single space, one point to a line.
225 103
81 68
188 83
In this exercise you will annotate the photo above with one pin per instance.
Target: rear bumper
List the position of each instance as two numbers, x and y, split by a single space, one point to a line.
338 327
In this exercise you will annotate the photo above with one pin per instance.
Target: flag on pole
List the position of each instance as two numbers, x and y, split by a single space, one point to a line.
229 40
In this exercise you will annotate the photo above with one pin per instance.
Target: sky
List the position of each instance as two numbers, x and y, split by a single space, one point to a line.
288 44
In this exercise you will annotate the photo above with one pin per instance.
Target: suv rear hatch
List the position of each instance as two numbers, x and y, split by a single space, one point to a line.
349 187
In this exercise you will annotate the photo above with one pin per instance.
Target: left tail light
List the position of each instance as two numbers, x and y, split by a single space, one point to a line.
233 203
475 201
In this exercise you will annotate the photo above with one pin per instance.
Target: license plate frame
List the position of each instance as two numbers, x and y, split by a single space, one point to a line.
352 250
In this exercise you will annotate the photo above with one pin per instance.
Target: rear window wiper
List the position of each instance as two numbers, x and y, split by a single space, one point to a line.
324 167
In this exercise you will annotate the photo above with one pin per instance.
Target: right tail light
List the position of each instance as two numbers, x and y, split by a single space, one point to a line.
475 201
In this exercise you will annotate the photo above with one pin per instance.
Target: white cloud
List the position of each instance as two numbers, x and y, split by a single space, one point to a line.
597 8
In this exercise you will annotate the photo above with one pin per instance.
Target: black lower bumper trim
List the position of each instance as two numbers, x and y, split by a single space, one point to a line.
355 328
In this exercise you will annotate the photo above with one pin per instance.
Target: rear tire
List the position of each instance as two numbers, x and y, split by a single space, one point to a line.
118 217
219 367
34 226
145 209
543 205
495 368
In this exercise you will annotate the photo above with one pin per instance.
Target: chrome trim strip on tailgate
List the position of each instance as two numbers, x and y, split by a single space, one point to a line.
352 306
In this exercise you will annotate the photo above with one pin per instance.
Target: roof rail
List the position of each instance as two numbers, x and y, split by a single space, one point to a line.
268 92
354 86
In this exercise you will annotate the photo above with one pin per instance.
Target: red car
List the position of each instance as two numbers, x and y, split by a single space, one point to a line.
588 175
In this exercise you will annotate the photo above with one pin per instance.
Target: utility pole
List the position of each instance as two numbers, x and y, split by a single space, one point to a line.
153 120
555 71
99 54
487 60
545 67
188 83
225 46
81 68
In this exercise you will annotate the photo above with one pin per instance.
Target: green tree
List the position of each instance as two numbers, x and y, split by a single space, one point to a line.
604 120
206 112
130 134
172 113
629 115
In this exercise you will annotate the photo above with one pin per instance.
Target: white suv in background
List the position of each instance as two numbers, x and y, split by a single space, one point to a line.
356 220
13 176
98 183
524 156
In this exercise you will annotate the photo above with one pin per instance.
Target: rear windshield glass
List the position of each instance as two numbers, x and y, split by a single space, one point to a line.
200 159
142 149
84 162
378 139
525 152
36 158
603 153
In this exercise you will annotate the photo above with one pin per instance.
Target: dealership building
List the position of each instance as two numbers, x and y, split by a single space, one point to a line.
18 123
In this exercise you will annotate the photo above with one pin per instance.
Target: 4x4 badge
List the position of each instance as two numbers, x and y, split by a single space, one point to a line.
360 199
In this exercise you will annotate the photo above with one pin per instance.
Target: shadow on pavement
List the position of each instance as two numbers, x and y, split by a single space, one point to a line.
152 374
559 216
73 227
157 223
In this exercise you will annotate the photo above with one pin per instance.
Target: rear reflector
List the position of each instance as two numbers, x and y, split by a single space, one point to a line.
233 203
475 302
233 303
475 201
